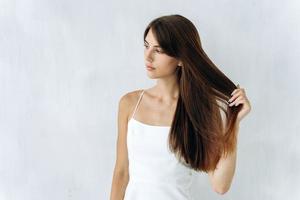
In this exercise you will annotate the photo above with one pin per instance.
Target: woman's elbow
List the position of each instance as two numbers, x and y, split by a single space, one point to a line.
221 190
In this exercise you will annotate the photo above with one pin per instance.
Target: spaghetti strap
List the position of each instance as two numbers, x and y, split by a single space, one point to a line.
136 106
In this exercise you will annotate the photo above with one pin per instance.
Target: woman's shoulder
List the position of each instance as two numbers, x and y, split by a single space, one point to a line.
131 95
129 98
128 101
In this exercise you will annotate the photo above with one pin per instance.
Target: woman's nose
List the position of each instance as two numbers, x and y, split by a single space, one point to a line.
148 55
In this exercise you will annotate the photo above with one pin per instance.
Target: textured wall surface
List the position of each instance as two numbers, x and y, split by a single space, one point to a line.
65 64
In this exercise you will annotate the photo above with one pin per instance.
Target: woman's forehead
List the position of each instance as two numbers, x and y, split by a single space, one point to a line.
150 39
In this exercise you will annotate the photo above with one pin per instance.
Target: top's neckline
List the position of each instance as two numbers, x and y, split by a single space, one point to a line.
144 124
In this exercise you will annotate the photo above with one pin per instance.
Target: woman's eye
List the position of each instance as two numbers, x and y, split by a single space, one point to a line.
159 51
156 50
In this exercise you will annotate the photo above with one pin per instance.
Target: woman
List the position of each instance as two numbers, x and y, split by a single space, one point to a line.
187 122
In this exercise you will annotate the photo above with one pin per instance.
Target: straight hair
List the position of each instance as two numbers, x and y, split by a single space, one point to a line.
204 125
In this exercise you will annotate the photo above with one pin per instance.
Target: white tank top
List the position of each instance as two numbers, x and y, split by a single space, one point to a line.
154 171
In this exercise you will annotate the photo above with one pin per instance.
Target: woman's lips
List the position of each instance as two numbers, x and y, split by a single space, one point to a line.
149 67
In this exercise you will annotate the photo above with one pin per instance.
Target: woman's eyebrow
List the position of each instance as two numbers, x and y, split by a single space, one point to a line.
154 45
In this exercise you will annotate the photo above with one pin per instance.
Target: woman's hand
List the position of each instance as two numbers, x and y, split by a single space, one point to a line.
239 97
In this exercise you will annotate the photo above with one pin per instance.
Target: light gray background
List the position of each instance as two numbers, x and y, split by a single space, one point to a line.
64 64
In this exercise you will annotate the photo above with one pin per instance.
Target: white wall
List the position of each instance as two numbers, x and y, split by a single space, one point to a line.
64 65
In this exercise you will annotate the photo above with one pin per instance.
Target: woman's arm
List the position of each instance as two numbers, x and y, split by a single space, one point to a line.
121 175
222 176
119 185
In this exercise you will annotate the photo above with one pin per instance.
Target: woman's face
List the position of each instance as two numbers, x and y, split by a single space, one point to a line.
158 64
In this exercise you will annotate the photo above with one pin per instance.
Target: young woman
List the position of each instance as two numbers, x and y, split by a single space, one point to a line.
187 122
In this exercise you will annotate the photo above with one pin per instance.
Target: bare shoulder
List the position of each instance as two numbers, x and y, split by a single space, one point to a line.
130 97
128 101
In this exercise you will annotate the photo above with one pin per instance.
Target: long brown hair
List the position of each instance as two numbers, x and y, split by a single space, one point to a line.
198 135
